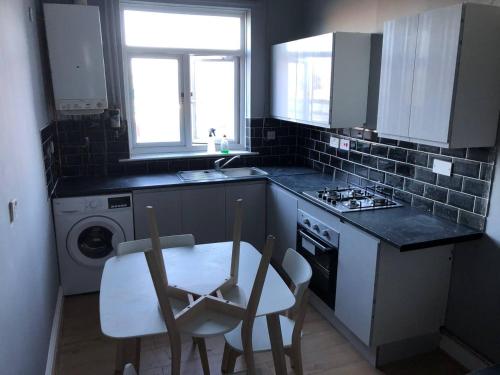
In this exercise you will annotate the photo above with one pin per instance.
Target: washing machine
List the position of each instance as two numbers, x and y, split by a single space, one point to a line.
88 230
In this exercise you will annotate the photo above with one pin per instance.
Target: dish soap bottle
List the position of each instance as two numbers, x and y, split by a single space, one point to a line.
224 145
211 141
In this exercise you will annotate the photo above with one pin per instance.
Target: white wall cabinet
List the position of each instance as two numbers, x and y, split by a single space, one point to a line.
439 77
205 211
281 220
322 80
254 211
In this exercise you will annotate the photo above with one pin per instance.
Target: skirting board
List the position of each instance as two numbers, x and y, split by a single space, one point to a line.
54 334
461 353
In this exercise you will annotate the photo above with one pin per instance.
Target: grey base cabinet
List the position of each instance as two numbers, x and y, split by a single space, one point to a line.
281 220
384 295
167 204
205 211
254 211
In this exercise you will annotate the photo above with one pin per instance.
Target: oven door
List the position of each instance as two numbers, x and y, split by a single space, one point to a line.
323 259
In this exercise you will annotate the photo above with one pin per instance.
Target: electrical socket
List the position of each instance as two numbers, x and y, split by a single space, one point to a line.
345 144
270 135
334 142
442 167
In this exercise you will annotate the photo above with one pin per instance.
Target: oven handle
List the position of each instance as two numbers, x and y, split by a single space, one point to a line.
315 243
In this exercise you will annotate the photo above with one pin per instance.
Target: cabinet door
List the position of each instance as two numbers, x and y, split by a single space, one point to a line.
314 77
281 220
204 213
396 77
284 80
167 204
254 211
434 77
357 268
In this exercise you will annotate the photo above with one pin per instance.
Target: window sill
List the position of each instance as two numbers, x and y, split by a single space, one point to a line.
185 155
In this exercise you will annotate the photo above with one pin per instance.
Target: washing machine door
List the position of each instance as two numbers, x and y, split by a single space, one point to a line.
91 241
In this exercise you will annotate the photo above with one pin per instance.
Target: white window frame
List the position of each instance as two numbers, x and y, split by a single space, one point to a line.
242 83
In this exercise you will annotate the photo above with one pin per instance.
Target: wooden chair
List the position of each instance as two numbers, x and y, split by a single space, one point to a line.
136 246
299 272
207 315
129 370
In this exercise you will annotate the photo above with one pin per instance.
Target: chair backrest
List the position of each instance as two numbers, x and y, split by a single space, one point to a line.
136 246
129 370
299 271
258 284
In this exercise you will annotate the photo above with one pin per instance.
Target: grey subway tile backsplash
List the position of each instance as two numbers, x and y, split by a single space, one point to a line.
386 165
476 187
460 200
401 167
417 158
452 182
445 211
471 220
414 187
466 168
425 175
436 193
380 150
423 203
406 168
397 154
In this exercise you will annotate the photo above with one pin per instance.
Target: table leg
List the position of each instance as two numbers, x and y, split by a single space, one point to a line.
128 351
273 324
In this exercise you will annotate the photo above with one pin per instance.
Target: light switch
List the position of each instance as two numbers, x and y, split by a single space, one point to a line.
334 142
12 210
442 167
345 144
270 135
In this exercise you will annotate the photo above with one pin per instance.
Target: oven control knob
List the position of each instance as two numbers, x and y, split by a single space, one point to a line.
307 222
326 234
316 227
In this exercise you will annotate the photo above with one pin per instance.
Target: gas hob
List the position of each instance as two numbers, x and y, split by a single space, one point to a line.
351 199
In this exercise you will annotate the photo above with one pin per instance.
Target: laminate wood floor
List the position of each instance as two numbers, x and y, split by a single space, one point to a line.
84 350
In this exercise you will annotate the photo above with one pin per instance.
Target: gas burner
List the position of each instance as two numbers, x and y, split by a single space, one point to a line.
351 199
353 203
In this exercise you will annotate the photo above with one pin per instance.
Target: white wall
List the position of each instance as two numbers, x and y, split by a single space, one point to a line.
474 301
28 266
322 16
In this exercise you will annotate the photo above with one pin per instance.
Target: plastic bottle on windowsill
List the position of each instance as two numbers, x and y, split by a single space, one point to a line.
211 141
224 145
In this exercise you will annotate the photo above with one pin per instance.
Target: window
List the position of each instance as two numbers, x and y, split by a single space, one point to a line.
185 73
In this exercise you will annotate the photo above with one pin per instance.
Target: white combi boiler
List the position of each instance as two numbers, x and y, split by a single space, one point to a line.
74 40
88 231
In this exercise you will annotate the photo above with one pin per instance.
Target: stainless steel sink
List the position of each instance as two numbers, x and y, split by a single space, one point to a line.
243 172
203 175
212 174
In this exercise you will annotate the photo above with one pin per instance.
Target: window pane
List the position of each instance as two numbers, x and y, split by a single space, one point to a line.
156 100
177 30
213 97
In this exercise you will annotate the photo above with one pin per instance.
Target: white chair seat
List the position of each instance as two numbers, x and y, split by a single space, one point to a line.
210 324
260 335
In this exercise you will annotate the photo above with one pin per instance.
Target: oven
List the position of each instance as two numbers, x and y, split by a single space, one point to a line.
318 244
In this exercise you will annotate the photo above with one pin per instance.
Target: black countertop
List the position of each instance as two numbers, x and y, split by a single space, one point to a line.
404 227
